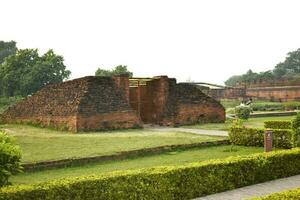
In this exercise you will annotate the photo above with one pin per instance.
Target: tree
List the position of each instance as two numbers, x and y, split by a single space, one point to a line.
27 72
291 65
118 70
7 49
289 68
233 80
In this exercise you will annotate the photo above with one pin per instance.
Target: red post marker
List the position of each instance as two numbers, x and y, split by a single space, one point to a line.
268 140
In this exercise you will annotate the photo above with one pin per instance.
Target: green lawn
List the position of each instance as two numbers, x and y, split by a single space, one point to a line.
40 144
164 159
251 122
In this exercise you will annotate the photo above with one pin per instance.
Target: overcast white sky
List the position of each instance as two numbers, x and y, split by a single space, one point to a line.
201 40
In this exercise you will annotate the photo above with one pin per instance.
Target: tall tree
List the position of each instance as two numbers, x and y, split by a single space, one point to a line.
118 70
288 69
7 49
27 72
291 65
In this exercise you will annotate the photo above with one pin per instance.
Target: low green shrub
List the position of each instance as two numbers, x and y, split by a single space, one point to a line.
176 182
291 105
275 106
265 105
296 131
10 157
282 138
278 124
243 111
287 195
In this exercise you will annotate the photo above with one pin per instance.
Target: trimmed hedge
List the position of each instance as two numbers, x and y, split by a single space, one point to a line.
10 158
287 195
282 138
278 124
267 106
177 182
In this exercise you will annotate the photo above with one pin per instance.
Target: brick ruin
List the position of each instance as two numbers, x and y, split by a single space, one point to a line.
271 93
100 103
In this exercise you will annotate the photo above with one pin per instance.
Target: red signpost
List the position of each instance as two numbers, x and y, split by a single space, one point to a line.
268 140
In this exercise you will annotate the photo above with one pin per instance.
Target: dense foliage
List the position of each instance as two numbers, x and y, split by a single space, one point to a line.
290 68
286 195
262 105
282 138
175 182
26 72
278 124
296 131
10 157
118 70
7 49
243 111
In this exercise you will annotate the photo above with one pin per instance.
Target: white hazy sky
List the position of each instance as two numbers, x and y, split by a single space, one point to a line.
201 40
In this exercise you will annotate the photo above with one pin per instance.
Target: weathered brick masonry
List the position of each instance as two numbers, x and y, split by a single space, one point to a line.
274 93
272 90
89 103
163 101
97 103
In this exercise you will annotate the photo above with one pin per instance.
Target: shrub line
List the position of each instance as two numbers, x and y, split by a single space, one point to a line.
28 167
168 183
273 114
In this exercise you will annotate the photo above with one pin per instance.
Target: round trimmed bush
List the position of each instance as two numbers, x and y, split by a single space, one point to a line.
10 156
243 111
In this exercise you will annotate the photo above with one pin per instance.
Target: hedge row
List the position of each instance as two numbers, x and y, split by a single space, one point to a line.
278 124
275 106
287 195
282 138
177 182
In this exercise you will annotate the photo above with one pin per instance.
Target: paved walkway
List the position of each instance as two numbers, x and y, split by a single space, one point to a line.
189 130
257 190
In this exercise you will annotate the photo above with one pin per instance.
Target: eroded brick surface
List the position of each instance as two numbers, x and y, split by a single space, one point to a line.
89 103
163 101
97 103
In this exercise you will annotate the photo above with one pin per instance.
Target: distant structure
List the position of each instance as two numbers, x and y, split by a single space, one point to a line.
101 103
280 91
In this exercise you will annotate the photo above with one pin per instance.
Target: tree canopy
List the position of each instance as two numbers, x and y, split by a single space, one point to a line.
7 49
26 72
288 69
118 70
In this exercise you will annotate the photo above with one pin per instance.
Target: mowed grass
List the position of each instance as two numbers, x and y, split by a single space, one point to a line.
41 144
164 159
251 122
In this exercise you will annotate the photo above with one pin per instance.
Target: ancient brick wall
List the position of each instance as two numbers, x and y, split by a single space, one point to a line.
89 103
277 93
189 105
228 93
270 83
122 83
284 93
53 106
97 103
162 101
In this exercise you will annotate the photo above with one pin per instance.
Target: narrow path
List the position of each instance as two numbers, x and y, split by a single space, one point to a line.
257 190
189 130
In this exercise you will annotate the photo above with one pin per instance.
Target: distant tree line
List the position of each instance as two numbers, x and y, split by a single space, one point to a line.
24 71
118 70
288 69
